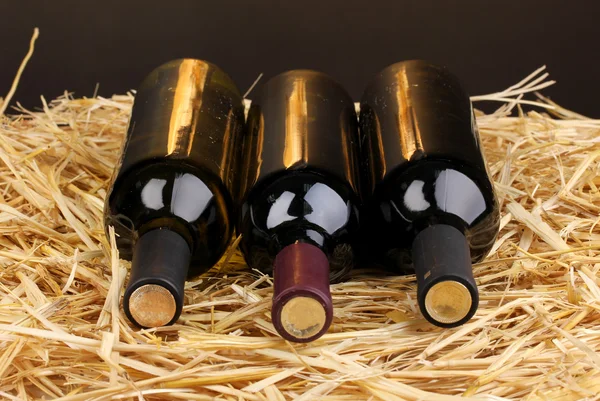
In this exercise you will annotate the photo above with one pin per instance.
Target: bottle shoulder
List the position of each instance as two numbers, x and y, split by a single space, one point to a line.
432 192
169 194
300 206
438 186
300 195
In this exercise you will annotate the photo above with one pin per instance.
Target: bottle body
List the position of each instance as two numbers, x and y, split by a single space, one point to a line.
425 168
300 191
177 173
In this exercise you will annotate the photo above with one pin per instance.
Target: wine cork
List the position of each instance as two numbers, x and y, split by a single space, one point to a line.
448 301
152 305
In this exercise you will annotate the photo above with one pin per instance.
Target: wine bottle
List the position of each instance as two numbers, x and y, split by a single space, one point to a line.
429 192
299 204
171 201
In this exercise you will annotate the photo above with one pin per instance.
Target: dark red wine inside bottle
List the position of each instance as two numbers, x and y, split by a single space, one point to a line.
171 201
431 201
299 213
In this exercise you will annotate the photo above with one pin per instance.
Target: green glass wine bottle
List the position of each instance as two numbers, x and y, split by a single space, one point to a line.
171 200
299 208
430 199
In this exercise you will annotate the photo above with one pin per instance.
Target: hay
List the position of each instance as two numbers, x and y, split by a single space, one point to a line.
536 335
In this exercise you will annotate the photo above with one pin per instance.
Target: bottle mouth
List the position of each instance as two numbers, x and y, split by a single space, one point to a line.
303 317
152 305
448 301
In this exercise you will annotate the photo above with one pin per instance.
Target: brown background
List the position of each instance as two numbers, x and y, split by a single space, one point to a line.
488 44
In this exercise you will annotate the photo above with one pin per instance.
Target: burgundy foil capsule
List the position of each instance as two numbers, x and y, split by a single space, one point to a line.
299 205
302 306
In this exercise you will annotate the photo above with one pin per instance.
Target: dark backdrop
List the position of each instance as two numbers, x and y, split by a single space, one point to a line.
488 44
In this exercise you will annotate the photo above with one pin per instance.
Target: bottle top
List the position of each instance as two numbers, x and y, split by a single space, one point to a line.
302 306
303 317
154 294
152 305
446 289
448 301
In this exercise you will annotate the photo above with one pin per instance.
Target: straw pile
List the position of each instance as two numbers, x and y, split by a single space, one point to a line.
63 335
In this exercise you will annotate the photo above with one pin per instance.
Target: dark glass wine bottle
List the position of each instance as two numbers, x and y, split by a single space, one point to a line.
431 201
299 213
171 201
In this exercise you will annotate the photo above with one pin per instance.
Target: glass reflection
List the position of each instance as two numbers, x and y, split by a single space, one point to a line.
446 190
328 208
190 197
152 194
320 205
186 98
414 198
315 236
457 194
278 213
296 125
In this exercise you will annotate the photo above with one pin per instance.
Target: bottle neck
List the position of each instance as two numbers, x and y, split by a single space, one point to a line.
446 289
155 291
302 305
